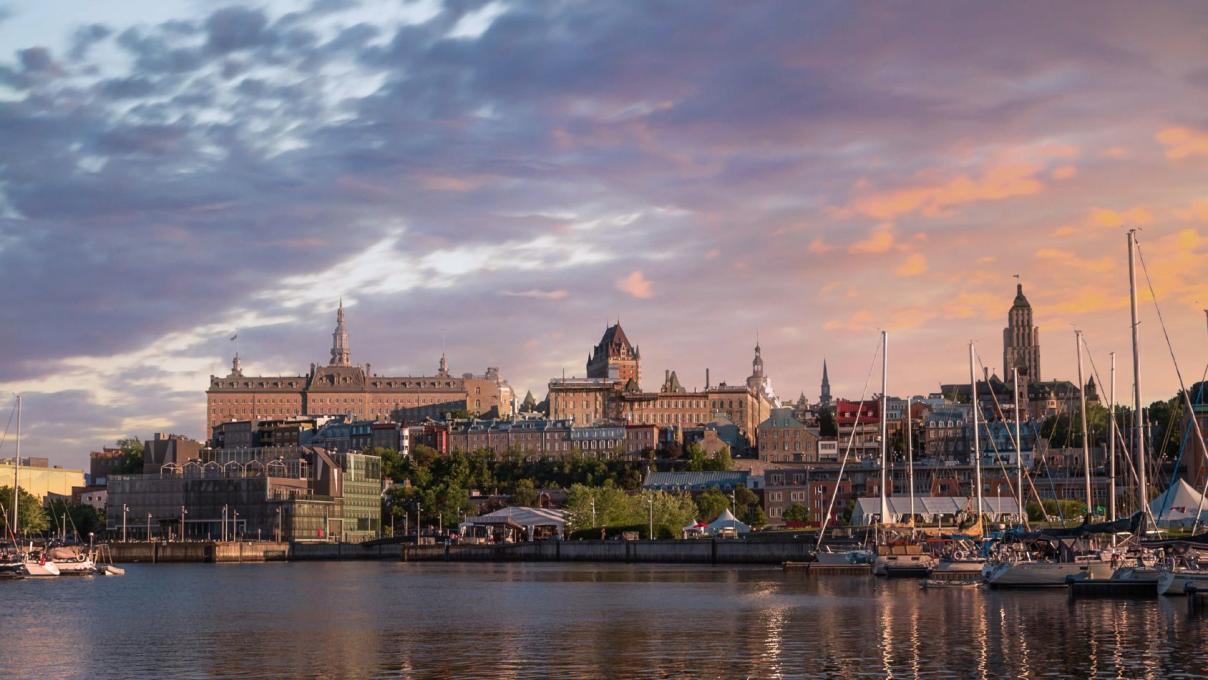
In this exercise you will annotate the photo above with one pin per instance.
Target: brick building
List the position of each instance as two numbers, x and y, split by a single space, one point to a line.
343 388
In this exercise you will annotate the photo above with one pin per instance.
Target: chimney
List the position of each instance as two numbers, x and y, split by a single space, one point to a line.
707 379
986 373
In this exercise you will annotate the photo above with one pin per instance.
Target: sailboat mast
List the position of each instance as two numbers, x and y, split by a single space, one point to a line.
1018 445
16 475
1111 444
910 456
1086 438
977 480
1138 426
884 425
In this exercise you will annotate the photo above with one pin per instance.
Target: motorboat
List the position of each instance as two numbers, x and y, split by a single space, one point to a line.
842 557
37 565
1174 577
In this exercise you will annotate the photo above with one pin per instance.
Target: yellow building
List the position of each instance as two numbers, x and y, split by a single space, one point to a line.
41 481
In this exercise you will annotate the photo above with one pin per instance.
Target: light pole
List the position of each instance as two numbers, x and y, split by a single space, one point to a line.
125 509
148 527
278 524
183 512
650 500
223 534
235 525
440 523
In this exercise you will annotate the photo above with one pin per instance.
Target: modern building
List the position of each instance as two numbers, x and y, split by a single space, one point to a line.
294 493
103 463
37 477
344 388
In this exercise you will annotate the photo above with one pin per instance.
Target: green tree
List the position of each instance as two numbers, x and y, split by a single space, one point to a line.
30 516
525 493
755 517
132 456
796 513
711 503
826 424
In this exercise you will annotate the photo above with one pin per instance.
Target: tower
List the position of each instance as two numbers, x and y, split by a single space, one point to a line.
614 357
443 367
1021 340
340 354
824 399
758 381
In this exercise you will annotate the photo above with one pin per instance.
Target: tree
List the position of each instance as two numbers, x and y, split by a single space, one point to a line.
132 456
525 493
796 513
711 503
755 517
30 516
826 424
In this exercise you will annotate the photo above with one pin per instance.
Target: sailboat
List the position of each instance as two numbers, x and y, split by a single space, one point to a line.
33 562
961 561
901 558
1022 570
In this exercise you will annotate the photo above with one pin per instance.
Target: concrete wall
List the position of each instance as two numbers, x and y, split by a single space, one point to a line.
687 552
247 551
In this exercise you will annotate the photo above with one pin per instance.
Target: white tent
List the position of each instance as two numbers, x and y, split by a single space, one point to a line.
1177 506
726 522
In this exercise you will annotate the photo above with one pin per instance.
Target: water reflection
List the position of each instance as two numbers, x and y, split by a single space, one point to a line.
573 621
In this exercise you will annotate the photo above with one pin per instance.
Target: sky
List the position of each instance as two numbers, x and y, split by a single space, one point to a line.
500 180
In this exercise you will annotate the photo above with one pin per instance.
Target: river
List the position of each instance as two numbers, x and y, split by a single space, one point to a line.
462 620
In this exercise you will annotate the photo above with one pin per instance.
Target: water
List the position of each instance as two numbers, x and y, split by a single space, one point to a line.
337 620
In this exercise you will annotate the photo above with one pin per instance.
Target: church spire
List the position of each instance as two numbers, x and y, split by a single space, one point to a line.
340 353
825 397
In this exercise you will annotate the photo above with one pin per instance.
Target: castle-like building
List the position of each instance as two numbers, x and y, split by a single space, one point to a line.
1021 341
344 388
612 392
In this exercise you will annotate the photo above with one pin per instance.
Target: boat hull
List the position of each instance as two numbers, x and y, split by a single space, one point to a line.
1046 574
1174 583
903 566
39 570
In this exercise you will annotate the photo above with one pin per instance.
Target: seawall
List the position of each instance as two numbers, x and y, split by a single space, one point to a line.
247 551
694 551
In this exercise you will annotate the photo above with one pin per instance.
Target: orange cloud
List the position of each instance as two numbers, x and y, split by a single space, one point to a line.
1064 172
977 306
450 183
1102 217
857 322
913 265
1181 142
996 183
880 240
819 247
636 285
1198 212
1070 260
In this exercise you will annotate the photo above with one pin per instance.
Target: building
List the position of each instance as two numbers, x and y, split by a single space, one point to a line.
614 358
343 388
824 397
945 433
542 438
103 463
785 439
294 493
168 449
1021 340
697 482
37 477
859 422
1197 452
617 395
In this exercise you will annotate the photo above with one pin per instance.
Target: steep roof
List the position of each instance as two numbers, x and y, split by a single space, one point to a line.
615 336
1020 299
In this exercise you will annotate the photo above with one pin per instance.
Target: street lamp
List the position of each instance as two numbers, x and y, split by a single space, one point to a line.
183 512
278 524
235 525
148 527
650 500
223 533
125 509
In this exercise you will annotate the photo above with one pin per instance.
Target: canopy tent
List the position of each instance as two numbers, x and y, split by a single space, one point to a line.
726 522
525 523
694 529
1177 506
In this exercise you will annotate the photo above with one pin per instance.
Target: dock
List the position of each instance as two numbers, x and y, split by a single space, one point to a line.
829 569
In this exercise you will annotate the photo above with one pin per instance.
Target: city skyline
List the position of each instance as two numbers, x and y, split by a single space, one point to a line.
498 184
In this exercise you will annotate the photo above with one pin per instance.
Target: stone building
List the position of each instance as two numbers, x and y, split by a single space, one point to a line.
1021 340
344 388
785 439
618 396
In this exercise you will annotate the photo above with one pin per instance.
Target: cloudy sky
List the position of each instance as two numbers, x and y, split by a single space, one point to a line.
501 179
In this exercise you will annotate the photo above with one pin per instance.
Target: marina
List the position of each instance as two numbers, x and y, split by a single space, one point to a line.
390 619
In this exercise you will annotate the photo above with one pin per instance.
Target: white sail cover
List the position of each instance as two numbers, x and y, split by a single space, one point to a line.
1177 506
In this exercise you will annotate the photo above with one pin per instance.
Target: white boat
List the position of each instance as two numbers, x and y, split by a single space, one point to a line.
72 561
1173 578
40 568
960 565
1048 574
840 557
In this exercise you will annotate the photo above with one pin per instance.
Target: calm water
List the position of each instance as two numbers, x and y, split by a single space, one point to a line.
572 621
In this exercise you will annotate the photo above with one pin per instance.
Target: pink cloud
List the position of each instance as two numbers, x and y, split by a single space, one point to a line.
636 285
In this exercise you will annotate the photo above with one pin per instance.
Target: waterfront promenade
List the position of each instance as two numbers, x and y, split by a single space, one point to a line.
695 551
